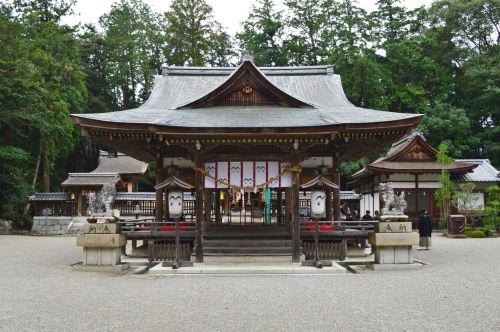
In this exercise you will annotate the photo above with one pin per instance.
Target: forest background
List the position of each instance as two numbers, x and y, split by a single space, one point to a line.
442 61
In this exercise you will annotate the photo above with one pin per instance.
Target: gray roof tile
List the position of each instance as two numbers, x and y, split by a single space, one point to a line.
323 90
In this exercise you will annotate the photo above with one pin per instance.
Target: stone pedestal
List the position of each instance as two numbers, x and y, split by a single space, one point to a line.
393 240
102 244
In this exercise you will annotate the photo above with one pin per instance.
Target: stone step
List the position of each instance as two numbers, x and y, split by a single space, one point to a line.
246 243
247 251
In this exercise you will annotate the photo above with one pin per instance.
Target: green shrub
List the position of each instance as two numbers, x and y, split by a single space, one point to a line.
477 234
468 232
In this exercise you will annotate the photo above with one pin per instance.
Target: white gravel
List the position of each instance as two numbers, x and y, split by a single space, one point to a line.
460 291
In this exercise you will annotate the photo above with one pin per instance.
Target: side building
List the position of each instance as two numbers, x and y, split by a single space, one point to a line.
411 165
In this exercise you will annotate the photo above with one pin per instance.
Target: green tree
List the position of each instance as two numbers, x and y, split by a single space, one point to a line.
191 28
445 193
446 124
492 210
306 22
263 33
132 44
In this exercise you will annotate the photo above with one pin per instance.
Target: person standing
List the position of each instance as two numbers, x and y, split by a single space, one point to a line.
367 216
425 230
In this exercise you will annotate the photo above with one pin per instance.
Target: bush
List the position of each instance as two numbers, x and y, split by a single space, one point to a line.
468 232
477 234
19 221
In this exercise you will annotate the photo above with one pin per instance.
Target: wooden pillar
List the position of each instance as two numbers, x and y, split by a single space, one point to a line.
288 208
336 191
165 206
198 207
279 213
217 207
329 205
159 192
79 203
208 208
295 213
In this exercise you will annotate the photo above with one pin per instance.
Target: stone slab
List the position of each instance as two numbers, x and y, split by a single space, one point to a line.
394 255
394 267
101 240
101 268
202 269
393 227
108 228
393 239
101 256
393 218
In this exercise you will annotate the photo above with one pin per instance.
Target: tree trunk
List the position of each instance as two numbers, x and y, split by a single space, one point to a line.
35 176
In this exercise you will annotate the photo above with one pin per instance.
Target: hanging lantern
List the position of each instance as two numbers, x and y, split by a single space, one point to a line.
318 199
175 204
221 195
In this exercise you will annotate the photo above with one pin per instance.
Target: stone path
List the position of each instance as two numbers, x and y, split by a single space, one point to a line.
460 291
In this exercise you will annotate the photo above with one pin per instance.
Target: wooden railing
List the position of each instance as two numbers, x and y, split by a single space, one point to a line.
149 228
55 208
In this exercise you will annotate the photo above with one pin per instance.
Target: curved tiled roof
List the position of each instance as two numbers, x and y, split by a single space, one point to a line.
484 172
316 86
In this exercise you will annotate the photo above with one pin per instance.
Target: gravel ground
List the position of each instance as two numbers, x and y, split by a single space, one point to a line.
460 291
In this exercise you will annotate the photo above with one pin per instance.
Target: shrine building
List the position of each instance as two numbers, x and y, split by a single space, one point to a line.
244 141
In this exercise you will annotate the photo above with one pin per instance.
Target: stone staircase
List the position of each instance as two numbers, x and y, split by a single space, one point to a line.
261 240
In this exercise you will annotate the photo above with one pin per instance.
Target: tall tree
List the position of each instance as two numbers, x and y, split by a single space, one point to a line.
263 33
393 22
41 84
306 21
132 42
194 37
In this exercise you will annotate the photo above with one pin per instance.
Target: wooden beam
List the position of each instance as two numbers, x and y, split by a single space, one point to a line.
329 204
198 161
159 192
295 160
279 198
336 191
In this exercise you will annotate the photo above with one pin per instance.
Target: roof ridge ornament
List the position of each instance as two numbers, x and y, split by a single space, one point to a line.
247 56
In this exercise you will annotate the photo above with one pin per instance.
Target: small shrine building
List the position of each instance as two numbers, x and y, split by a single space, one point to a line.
411 165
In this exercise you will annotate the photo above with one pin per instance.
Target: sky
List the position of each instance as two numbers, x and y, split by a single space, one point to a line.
230 13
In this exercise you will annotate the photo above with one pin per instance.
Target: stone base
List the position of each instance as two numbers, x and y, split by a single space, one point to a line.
102 256
394 267
394 255
102 268
50 225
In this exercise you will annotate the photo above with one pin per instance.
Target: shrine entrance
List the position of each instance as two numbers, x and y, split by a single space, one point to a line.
247 192
238 207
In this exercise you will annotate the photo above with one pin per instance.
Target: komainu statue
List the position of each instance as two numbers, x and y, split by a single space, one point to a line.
393 204
100 204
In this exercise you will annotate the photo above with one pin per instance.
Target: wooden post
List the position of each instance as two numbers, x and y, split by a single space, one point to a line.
336 191
207 208
198 207
288 208
217 207
295 213
79 203
165 206
159 192
329 204
279 213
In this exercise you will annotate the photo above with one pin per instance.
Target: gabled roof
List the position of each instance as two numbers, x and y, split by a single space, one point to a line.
174 182
302 96
90 179
484 172
246 76
412 154
319 181
121 164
